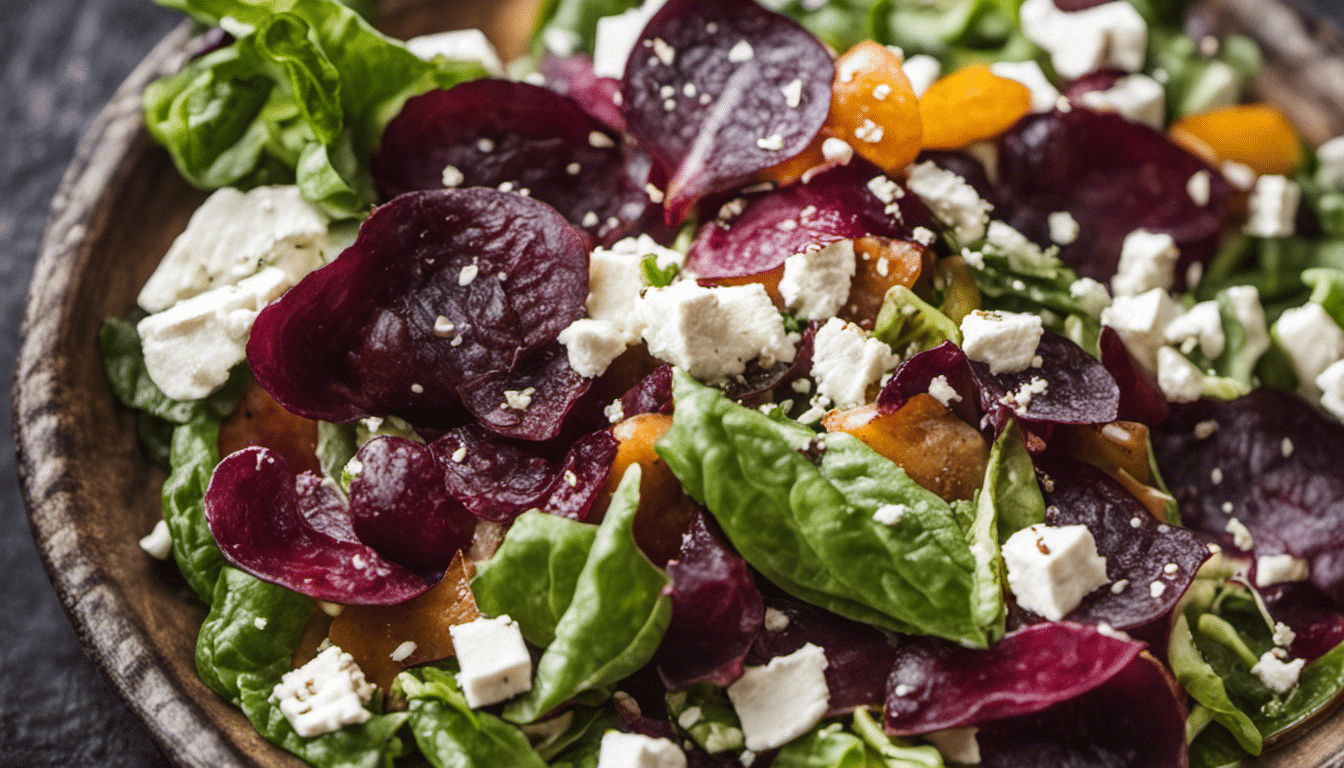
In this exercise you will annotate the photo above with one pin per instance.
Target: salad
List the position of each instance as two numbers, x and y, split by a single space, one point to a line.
807 384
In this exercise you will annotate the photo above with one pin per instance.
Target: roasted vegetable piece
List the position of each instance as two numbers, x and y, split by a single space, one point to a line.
874 108
665 511
260 420
970 105
1257 135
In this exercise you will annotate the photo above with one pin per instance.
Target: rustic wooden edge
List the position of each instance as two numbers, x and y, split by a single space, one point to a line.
1306 77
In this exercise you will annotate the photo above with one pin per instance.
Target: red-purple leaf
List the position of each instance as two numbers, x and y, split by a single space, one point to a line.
1078 390
532 399
832 206
441 289
573 76
400 508
514 136
915 375
1114 176
1317 624
858 657
1141 399
1139 550
1271 462
653 394
286 530
1136 719
498 480
718 91
716 611
937 685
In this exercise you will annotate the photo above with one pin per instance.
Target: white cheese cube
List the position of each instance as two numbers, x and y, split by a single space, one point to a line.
1239 175
616 38
234 235
922 71
324 695
470 45
846 362
1245 300
952 200
631 750
493 658
159 543
1147 261
714 332
957 745
816 283
1330 164
782 700
1090 295
1181 381
190 347
1312 341
1273 207
1137 98
1006 341
615 279
1201 326
1141 321
592 345
1277 675
1111 35
1052 568
1044 95
1331 384
1279 569
1064 228
1022 254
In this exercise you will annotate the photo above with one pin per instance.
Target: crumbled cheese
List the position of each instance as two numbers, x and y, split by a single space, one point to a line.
616 37
942 391
634 750
1330 164
1205 429
890 514
493 659
957 745
1239 175
1052 568
1137 98
816 283
1241 535
1277 675
1312 341
782 700
869 132
402 652
1279 569
1156 590
952 200
592 345
1092 296
713 332
452 177
1199 187
519 399
846 362
1064 228
922 71
469 45
1201 326
1044 95
1147 261
1273 207
776 620
1181 381
1141 322
793 93
1108 36
159 543
1283 635
1020 399
1331 384
468 275
836 150
324 695
741 52
771 143
1006 341
1245 300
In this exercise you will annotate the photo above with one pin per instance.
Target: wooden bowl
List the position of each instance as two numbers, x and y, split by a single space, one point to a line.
92 494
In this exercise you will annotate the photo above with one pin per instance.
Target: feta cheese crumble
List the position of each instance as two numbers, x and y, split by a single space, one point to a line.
952 200
633 750
1273 207
1279 569
1005 341
159 543
1312 341
324 695
1277 675
1052 568
922 71
493 660
1044 95
782 700
714 332
846 361
1141 322
1147 261
1201 326
459 45
1111 35
1064 228
1181 381
1137 98
816 283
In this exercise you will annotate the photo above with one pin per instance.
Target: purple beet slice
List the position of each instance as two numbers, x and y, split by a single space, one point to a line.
441 290
1136 719
834 205
285 529
653 394
1141 399
1271 462
718 91
1077 387
574 77
1140 551
514 136
717 611
498 480
858 657
936 685
400 508
914 376
1113 176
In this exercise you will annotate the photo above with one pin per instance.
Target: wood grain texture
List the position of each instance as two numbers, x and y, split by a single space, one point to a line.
91 493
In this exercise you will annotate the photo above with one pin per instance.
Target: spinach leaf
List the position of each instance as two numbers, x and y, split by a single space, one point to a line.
580 724
1202 682
194 454
156 438
1037 283
809 528
452 734
335 448
905 320
1010 484
371 744
826 746
705 713
533 576
583 752
615 620
124 364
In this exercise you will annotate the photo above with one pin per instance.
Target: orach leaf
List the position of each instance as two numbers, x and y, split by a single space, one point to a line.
706 90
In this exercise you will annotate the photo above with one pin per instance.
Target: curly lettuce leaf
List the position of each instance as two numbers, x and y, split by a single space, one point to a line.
450 733
809 527
615 620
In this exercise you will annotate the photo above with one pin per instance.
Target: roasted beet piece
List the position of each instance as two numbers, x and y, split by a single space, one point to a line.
399 506
1077 388
1136 719
514 136
914 376
653 394
1141 399
716 611
1139 550
444 294
834 205
858 657
718 91
573 76
498 480
936 685
1113 176
1271 462
296 532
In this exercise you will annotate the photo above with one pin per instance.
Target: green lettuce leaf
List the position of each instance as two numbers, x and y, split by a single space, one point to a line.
193 456
575 21
894 753
615 620
906 320
1204 684
533 576
124 364
1010 484
452 734
826 746
335 448
809 527
705 713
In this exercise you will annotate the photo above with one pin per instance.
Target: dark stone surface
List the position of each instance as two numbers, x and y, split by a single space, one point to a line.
60 60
